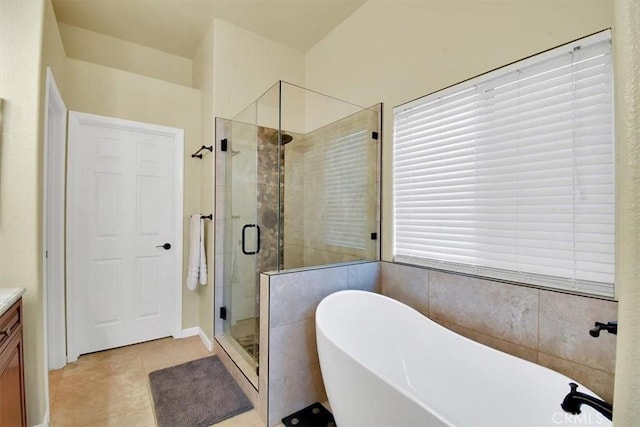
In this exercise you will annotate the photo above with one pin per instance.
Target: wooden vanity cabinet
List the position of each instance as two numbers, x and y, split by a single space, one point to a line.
12 401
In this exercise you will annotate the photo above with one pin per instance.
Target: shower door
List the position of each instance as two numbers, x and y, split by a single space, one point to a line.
252 234
242 238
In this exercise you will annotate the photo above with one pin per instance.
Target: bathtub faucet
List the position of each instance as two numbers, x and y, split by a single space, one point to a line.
611 327
575 399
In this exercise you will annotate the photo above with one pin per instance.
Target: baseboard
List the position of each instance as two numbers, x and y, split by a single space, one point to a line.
195 331
205 340
186 333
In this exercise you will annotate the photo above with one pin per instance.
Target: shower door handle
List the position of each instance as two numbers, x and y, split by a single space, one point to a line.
258 242
244 240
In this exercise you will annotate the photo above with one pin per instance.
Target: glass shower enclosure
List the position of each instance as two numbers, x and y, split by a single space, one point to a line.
297 186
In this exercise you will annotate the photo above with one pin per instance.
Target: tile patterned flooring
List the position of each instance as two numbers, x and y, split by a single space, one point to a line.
111 388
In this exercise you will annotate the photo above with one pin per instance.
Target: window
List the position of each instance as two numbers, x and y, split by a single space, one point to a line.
510 175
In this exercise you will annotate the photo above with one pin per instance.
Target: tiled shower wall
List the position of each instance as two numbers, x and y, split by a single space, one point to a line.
290 377
544 327
268 214
307 161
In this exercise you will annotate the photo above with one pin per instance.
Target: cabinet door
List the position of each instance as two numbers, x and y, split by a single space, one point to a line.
12 410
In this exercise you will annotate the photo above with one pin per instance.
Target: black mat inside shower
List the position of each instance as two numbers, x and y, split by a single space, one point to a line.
314 415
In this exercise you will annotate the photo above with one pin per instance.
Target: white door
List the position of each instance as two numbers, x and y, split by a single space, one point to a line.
124 201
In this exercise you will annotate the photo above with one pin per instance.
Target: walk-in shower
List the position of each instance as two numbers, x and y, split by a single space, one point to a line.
297 185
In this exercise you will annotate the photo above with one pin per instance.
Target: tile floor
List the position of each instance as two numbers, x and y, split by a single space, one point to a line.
111 388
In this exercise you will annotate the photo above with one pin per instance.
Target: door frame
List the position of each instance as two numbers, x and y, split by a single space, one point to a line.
78 118
53 223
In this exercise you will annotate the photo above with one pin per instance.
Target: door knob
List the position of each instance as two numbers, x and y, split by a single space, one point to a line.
165 246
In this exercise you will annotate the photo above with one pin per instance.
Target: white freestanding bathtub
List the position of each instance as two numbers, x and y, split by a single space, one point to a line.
385 364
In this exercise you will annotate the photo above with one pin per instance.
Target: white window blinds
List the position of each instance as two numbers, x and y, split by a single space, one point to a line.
337 166
511 175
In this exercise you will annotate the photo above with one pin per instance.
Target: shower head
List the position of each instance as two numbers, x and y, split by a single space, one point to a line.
286 138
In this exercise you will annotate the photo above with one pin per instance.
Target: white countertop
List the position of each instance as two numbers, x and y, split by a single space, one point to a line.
8 296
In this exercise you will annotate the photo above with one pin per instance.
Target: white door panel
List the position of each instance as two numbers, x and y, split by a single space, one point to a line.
122 204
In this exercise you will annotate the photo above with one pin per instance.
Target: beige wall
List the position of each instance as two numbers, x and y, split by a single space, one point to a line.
627 39
112 52
96 89
21 29
29 43
246 65
53 51
203 80
396 51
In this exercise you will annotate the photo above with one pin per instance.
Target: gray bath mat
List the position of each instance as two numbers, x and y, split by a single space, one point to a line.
196 394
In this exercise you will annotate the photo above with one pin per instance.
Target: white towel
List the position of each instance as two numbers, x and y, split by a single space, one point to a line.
202 271
197 269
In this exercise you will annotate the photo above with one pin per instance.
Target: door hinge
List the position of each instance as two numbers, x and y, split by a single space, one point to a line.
223 144
374 135
46 254
374 236
223 313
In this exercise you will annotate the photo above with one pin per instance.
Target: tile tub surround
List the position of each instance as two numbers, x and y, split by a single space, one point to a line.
289 366
8 296
546 327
